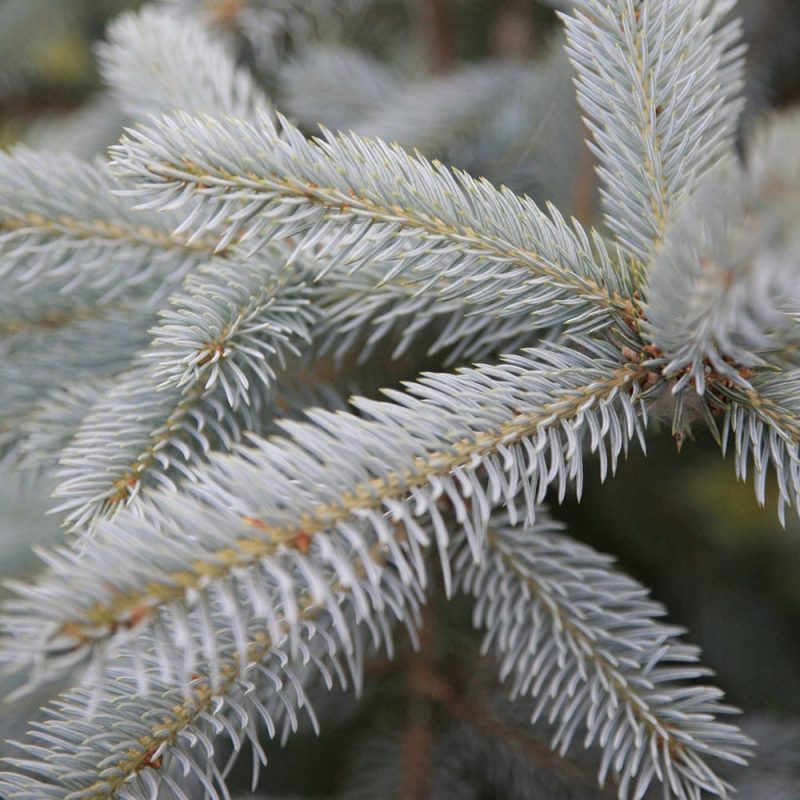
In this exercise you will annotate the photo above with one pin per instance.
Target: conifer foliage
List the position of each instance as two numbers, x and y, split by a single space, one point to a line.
239 540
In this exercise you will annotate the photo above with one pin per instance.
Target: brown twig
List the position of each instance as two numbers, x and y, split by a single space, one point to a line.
419 734
434 25
483 718
583 190
431 692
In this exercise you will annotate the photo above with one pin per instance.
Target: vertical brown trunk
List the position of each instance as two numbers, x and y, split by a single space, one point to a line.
434 25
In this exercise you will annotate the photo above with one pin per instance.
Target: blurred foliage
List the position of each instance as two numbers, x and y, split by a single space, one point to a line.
46 61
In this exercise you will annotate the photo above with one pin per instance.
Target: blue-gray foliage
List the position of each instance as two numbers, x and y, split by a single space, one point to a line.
155 308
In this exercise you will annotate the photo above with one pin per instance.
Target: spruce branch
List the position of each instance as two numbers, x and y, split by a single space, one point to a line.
265 29
349 200
307 615
230 320
167 738
732 337
441 113
660 85
762 422
585 643
490 434
205 378
42 360
514 124
723 295
334 86
225 574
52 422
158 61
67 240
359 311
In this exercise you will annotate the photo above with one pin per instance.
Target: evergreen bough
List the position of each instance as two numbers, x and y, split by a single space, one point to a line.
235 549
